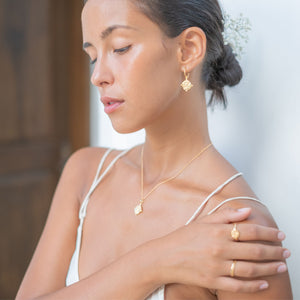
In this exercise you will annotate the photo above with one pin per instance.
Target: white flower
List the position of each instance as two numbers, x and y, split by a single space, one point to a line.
236 33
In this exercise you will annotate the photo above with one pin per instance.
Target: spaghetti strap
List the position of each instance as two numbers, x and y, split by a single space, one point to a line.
73 272
84 203
97 180
232 199
218 189
101 163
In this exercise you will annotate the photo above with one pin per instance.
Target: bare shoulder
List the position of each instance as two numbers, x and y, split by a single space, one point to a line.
240 190
84 159
80 169
245 197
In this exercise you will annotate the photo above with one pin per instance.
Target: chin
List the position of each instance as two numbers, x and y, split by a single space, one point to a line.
125 129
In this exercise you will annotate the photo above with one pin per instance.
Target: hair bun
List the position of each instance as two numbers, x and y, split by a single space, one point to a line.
225 71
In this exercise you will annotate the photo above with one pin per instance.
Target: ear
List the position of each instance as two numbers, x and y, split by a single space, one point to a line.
192 49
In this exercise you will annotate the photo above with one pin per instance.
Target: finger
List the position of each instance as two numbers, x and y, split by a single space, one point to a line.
241 286
254 232
252 270
254 251
227 215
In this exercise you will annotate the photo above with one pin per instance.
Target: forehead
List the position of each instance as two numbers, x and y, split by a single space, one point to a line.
100 14
106 9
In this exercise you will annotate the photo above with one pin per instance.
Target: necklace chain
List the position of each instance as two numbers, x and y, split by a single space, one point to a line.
139 208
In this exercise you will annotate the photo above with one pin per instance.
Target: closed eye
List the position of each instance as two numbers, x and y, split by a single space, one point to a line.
122 50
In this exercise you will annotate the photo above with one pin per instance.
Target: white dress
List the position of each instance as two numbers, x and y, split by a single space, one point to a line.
73 275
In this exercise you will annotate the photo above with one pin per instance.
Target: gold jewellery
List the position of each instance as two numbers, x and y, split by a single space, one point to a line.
232 268
235 234
186 84
139 208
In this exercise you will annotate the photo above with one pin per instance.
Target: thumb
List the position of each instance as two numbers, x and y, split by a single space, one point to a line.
227 215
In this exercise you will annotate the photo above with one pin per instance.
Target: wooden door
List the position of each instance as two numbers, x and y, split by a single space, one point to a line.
43 118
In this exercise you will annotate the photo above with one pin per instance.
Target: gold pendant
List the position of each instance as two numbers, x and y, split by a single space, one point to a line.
186 85
138 209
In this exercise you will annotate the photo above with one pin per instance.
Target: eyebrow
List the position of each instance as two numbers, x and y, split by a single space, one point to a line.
105 33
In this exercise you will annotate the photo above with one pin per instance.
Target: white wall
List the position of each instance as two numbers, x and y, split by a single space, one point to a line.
259 133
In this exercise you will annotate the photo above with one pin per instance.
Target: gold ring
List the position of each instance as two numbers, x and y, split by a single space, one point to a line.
232 268
235 234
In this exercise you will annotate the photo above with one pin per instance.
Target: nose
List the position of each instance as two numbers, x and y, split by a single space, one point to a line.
102 75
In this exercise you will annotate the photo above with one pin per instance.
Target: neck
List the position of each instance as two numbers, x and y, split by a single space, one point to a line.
177 136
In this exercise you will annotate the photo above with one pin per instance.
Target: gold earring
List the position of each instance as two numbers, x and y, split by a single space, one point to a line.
186 84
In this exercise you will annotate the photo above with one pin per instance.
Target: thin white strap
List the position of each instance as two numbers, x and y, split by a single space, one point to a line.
82 211
86 199
218 189
232 199
158 294
101 163
73 273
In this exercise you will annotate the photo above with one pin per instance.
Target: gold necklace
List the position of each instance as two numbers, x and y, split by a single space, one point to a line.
139 208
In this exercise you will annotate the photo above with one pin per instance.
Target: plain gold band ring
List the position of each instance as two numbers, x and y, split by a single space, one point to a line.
235 234
232 268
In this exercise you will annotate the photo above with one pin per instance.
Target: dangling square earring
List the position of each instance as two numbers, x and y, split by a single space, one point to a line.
186 84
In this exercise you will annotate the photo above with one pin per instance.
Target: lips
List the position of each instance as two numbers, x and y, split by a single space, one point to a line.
111 104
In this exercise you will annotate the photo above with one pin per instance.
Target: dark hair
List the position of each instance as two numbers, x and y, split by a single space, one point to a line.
220 67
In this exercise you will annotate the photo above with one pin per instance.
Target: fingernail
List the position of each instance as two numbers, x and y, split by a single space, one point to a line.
282 268
286 253
264 286
243 209
281 236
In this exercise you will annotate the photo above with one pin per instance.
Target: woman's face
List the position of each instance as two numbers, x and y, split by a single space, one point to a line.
136 66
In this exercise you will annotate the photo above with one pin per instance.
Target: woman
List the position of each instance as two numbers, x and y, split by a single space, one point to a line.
153 61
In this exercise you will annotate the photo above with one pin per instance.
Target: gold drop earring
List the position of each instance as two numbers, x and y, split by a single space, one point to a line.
186 84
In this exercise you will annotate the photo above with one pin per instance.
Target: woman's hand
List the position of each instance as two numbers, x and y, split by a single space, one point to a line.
202 253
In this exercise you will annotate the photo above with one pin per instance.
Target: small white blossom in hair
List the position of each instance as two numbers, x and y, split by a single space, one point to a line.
236 33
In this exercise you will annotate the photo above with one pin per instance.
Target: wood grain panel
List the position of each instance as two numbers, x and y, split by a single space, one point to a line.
43 118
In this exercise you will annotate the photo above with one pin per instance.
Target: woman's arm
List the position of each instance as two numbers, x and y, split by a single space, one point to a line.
131 277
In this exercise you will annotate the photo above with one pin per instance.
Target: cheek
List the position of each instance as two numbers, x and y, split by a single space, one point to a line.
151 77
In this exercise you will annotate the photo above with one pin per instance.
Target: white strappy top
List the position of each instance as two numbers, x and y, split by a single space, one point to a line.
73 274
